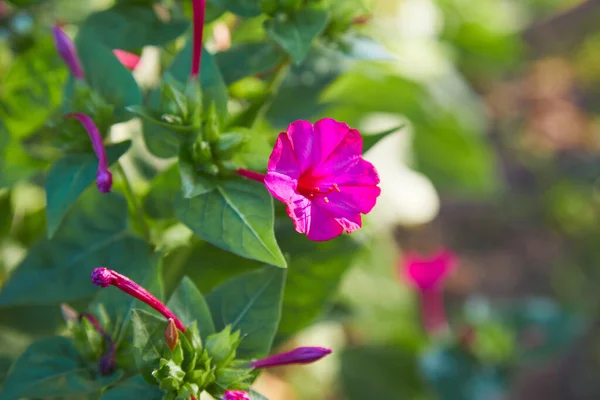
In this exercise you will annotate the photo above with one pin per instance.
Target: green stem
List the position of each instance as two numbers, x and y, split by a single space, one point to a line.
276 82
135 206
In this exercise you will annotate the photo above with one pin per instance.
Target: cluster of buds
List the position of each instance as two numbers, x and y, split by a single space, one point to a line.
188 365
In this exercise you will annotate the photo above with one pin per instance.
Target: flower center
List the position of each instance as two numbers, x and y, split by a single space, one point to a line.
311 190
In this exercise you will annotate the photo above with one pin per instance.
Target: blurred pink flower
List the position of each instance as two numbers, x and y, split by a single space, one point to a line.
129 60
428 275
236 395
319 173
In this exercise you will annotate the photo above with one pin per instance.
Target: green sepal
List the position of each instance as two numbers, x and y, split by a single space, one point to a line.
87 340
230 143
189 353
201 151
169 375
202 377
211 131
221 347
193 95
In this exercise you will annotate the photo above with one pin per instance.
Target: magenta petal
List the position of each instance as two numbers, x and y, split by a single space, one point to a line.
335 140
281 186
129 60
352 200
299 210
301 138
429 272
283 159
322 225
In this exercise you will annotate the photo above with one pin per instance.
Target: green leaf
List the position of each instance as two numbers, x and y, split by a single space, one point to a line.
189 305
92 235
380 373
129 27
51 368
250 302
247 59
371 140
31 89
243 8
314 274
296 32
237 216
15 164
256 396
69 177
106 75
193 183
158 203
148 340
133 388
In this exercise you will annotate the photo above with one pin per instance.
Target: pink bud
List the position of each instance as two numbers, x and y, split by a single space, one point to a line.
105 277
66 49
129 60
171 334
301 355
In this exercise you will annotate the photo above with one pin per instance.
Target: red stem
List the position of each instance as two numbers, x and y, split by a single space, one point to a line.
255 176
433 310
198 8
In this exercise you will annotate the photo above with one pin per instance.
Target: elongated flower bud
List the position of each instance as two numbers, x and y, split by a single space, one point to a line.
105 277
171 334
68 313
103 176
236 395
129 60
198 7
301 355
107 362
66 49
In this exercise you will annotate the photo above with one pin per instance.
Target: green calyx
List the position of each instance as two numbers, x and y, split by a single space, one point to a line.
193 367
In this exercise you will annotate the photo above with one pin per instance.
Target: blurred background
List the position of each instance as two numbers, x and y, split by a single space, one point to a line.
495 155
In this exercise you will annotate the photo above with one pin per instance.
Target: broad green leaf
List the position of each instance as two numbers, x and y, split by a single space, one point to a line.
106 75
15 163
133 388
315 271
250 302
380 373
256 396
92 235
31 89
148 340
247 59
371 140
189 305
158 203
237 216
296 32
69 177
52 368
130 26
243 8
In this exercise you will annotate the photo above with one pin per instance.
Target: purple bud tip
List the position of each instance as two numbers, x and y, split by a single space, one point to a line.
66 49
301 355
107 362
104 180
102 277
236 395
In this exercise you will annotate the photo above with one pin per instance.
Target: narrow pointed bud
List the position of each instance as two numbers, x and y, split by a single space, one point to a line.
66 49
198 7
236 395
103 175
105 277
301 355
108 361
68 313
129 60
171 334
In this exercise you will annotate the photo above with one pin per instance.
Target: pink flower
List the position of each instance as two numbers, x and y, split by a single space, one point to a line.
428 274
236 395
66 49
105 277
103 175
129 60
300 355
319 173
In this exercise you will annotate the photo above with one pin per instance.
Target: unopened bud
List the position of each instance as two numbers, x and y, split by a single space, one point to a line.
68 313
236 395
301 355
171 334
